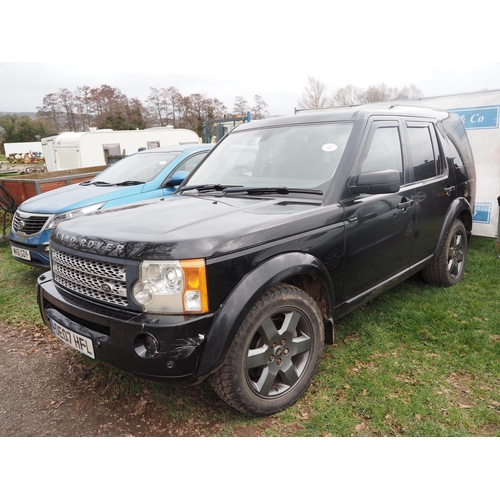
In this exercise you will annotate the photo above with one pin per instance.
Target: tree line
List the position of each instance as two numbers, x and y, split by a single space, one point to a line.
315 94
108 107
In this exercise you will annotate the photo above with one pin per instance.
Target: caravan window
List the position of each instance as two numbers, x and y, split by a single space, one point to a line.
112 149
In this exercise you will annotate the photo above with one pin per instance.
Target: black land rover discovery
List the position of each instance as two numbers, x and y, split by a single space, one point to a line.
288 224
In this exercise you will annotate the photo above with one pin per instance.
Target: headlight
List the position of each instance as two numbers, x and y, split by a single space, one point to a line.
73 213
172 287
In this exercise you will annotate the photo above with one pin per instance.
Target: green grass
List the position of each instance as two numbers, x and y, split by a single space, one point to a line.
17 291
417 361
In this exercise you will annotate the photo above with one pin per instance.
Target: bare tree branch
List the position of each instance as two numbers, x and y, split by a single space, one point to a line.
314 95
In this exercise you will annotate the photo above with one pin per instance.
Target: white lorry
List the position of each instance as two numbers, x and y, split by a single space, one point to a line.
71 150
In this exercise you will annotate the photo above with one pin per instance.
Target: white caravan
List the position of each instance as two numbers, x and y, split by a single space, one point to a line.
71 150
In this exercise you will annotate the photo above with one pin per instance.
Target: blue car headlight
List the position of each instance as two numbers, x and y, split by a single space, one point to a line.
72 214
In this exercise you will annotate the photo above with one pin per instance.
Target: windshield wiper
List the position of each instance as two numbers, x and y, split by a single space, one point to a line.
96 183
207 187
128 183
270 190
107 184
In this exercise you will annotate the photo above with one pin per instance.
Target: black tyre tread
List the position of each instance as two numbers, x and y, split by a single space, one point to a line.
436 273
225 384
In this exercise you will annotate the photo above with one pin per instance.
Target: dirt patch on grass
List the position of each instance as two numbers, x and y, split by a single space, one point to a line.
48 390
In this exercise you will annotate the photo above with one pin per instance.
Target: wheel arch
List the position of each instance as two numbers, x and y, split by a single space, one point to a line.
299 269
459 209
466 217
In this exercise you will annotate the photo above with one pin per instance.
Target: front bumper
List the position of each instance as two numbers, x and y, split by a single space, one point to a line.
37 247
118 335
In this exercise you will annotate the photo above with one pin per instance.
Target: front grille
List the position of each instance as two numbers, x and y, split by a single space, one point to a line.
102 281
28 224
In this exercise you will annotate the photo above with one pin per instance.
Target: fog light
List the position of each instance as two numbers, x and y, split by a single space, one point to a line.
146 346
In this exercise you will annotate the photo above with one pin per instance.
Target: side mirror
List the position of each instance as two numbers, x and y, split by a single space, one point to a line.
177 179
379 182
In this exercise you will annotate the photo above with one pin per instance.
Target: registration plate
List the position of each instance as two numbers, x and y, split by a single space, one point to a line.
21 253
73 339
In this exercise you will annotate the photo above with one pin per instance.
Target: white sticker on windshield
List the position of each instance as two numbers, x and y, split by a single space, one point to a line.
329 147
163 162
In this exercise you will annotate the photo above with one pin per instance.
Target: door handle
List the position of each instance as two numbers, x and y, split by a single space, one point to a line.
405 203
449 189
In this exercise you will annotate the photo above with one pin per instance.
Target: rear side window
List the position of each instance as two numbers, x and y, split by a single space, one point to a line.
456 158
460 147
455 162
424 151
455 130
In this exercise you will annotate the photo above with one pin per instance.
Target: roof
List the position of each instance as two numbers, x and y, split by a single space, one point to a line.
347 113
178 147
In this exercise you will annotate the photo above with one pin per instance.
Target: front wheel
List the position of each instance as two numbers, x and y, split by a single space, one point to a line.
274 354
448 266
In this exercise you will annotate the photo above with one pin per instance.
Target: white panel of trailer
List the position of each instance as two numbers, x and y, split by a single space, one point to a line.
480 113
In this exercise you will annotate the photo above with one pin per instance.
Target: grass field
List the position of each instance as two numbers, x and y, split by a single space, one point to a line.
417 361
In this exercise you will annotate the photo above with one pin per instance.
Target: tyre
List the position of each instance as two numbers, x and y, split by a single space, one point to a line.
274 355
448 266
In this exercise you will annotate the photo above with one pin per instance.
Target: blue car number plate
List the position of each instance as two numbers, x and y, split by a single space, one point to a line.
21 253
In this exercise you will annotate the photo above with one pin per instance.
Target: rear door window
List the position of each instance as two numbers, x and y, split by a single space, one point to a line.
424 151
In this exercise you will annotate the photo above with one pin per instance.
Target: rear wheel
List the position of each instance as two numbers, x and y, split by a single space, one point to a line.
448 266
274 355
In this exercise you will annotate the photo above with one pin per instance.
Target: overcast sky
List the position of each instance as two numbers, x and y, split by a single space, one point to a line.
233 48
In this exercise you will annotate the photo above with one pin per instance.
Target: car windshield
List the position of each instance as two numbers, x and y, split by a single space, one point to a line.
141 167
297 156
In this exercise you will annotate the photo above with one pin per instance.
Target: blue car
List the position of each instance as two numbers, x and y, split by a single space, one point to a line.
138 177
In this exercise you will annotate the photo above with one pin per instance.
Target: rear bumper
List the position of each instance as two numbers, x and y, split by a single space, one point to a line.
118 336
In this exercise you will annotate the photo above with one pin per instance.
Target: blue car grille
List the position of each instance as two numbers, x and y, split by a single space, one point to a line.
28 224
97 280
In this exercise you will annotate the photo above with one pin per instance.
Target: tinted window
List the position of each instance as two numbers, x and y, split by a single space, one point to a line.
422 151
455 131
384 151
455 161
456 158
